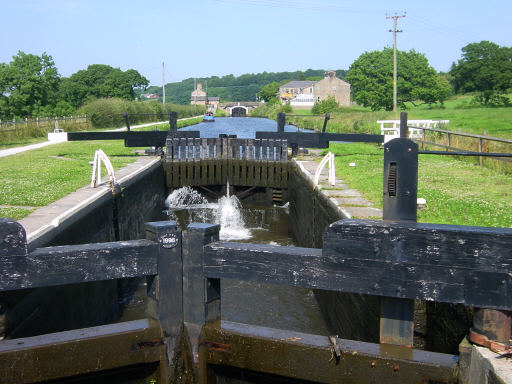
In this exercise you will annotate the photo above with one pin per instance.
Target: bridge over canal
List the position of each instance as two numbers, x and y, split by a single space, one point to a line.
239 108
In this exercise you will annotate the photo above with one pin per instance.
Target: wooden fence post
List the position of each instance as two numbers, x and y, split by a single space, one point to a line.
195 287
165 290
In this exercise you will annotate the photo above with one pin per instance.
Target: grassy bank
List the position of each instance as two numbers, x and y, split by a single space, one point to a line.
463 115
456 192
39 177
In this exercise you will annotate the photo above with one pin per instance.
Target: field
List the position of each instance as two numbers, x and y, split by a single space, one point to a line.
456 192
463 116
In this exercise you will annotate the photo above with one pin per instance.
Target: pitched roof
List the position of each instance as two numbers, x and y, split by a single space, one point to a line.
298 84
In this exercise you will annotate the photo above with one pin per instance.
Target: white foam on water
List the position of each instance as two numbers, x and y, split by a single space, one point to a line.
227 211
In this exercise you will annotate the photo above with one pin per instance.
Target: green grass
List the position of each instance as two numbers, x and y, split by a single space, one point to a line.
456 192
463 116
39 177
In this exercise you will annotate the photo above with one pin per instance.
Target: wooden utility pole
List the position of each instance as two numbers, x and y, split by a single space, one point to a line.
394 30
163 82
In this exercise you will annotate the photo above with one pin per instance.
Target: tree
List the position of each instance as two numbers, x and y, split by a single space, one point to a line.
269 92
485 67
100 80
371 79
28 84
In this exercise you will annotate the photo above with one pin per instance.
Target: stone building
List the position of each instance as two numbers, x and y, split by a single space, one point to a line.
330 85
304 93
198 96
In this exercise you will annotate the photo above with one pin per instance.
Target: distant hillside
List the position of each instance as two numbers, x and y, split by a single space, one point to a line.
231 88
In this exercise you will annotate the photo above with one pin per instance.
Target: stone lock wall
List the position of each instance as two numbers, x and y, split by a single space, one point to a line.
32 312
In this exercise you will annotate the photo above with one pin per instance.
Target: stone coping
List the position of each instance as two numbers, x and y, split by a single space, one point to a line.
349 201
46 222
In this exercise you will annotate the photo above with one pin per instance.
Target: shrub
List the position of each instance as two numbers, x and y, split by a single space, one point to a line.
325 106
105 113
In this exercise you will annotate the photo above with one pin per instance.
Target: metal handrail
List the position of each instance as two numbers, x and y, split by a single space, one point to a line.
457 133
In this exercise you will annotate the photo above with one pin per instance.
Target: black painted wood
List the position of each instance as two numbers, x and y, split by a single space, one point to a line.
165 291
469 265
318 139
194 284
13 238
448 246
78 264
131 138
82 351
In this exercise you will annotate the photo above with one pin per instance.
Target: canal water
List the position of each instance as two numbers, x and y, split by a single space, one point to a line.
243 127
245 302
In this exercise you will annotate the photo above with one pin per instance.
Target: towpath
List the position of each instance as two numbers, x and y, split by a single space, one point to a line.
15 150
348 200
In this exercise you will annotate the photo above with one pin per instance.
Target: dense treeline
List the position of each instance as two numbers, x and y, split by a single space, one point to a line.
235 88
30 86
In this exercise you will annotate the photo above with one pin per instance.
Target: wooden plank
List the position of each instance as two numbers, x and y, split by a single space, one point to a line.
264 162
284 150
336 271
224 168
197 149
250 150
278 177
302 356
257 149
176 179
250 172
190 150
194 238
81 351
277 150
78 264
183 173
397 321
183 150
175 149
456 246
319 140
165 291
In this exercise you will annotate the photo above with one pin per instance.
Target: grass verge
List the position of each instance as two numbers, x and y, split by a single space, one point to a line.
457 192
39 177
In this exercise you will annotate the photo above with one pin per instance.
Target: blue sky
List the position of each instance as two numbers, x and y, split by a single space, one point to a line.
197 38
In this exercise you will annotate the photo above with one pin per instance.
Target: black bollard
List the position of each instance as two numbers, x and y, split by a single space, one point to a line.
281 121
327 117
404 130
173 123
127 120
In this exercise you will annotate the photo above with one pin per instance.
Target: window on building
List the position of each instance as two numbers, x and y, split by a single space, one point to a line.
334 89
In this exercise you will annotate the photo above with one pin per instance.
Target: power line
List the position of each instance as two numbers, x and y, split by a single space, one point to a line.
163 82
305 5
395 31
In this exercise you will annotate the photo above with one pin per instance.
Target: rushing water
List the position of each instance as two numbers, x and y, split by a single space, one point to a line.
245 302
